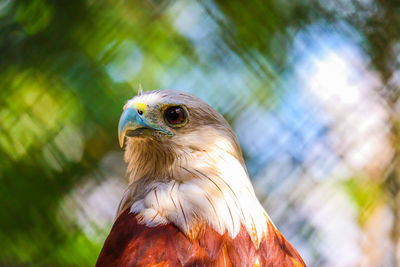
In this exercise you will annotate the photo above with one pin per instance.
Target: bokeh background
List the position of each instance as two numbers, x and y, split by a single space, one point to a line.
310 87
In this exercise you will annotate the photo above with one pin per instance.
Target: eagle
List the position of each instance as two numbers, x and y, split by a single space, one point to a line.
189 201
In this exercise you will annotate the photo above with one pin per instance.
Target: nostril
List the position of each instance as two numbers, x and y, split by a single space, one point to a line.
140 112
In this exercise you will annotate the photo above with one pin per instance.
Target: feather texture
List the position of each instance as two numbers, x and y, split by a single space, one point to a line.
134 244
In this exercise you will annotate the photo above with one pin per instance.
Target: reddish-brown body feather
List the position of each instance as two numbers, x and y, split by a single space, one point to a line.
132 244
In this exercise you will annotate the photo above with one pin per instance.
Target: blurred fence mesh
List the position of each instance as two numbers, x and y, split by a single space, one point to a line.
310 87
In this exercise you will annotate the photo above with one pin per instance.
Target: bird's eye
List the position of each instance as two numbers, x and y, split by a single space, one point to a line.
175 115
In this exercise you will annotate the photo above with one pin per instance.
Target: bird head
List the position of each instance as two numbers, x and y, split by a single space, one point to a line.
152 115
163 129
180 150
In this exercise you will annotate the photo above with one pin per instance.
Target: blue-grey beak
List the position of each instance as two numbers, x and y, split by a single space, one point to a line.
133 124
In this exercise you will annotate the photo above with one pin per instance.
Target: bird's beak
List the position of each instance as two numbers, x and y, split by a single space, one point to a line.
133 124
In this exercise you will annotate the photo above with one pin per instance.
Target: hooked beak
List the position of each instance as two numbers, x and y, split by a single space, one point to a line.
132 124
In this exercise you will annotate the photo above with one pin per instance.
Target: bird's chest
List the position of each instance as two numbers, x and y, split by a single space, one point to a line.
133 244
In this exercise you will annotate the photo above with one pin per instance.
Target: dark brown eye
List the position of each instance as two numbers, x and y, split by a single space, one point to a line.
175 115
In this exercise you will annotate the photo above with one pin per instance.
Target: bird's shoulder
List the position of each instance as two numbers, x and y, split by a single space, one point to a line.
132 244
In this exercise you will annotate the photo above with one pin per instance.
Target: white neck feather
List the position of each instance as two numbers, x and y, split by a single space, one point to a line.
209 188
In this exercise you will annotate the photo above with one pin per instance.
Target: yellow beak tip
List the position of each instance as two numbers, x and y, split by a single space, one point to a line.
121 139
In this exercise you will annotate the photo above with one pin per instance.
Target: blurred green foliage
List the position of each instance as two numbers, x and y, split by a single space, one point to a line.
366 195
